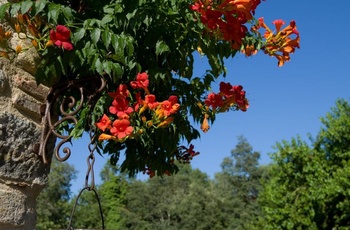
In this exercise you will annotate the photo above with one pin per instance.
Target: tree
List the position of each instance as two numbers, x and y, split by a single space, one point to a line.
124 68
53 207
114 190
309 186
183 201
112 195
238 186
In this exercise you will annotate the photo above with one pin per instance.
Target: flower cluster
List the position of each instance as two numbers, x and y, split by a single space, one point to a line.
226 20
135 112
185 154
127 108
147 124
60 37
33 28
151 173
229 97
279 43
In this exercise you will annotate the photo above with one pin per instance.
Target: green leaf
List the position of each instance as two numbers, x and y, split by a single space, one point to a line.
25 6
53 12
99 66
118 45
39 6
117 71
95 35
161 47
78 35
67 12
3 9
106 38
106 19
78 130
114 41
62 65
15 7
92 22
130 47
107 67
108 9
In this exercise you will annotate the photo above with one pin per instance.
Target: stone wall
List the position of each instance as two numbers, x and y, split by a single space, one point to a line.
22 173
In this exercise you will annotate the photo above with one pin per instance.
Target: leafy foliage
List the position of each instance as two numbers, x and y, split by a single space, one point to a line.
238 186
53 207
309 185
119 39
306 187
187 200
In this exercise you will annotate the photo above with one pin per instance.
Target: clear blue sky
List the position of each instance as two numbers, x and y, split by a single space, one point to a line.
284 101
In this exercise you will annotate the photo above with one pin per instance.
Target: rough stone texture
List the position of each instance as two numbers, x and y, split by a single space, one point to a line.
22 173
19 145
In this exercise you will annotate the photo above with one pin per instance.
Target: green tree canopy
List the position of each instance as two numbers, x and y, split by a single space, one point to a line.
182 201
238 186
309 186
53 208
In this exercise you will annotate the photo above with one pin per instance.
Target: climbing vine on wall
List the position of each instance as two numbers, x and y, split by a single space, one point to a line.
144 51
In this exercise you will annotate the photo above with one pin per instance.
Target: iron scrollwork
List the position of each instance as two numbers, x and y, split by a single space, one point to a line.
63 104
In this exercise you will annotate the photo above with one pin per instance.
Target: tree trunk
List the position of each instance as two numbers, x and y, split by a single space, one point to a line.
22 172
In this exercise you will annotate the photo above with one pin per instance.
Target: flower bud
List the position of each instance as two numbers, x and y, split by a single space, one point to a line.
4 54
20 18
49 43
18 49
166 122
17 28
8 34
35 44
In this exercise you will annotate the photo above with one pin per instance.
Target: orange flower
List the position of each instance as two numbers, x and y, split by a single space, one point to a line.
49 43
104 136
4 54
35 44
121 128
8 34
249 50
278 23
104 123
17 28
214 100
233 96
120 105
279 43
168 107
18 49
60 37
122 90
141 82
225 19
166 122
205 125
151 102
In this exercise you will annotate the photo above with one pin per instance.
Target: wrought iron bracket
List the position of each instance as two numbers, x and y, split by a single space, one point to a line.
63 103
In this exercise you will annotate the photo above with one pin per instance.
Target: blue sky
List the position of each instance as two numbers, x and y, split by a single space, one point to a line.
284 101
